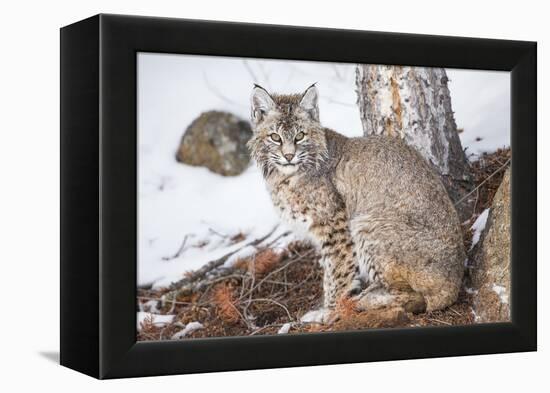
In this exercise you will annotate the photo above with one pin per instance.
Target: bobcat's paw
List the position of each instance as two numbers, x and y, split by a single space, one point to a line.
322 315
316 316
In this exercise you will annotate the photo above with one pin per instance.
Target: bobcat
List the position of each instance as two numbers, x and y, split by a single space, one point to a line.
387 232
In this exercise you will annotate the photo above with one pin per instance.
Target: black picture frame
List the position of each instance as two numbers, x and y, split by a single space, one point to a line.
99 207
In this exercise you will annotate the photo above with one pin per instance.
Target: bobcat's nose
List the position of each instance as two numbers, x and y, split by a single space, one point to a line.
289 156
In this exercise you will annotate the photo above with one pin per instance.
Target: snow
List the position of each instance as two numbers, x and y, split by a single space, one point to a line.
149 306
203 208
188 215
179 202
284 329
157 319
477 318
479 226
501 292
470 291
189 328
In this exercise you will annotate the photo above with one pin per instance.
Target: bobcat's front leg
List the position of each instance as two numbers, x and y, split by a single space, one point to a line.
340 270
340 277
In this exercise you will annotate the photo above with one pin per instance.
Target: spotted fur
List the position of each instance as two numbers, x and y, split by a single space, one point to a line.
381 219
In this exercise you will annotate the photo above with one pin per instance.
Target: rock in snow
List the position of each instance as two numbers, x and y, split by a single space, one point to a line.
217 141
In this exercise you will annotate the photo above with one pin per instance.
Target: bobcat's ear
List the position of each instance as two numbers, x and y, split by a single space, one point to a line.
261 104
309 102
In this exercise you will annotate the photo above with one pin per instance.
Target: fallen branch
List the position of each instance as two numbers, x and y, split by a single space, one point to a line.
188 284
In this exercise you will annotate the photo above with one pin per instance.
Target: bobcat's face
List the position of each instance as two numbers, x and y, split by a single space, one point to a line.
287 134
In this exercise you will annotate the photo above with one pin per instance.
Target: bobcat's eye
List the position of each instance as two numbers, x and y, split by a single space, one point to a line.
275 137
299 136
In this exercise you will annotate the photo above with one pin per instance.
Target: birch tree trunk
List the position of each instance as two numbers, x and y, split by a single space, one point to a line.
414 103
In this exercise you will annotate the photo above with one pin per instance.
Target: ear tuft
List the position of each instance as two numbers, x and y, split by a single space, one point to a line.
309 102
261 103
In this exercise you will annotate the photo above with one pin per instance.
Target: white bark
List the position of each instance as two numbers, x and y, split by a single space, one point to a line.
414 103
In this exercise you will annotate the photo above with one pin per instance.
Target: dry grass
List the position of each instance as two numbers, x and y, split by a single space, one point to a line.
271 288
488 172
346 308
224 300
261 263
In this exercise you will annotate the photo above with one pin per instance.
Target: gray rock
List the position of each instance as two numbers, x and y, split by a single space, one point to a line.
217 141
491 273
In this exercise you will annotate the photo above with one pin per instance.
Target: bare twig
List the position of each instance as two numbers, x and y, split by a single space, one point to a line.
179 252
251 71
439 321
277 282
293 324
218 94
338 74
213 231
250 327
160 300
456 312
265 74
215 264
270 301
272 242
172 308
266 327
333 101
483 182
276 271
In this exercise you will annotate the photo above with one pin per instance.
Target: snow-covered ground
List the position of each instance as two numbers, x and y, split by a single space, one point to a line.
187 215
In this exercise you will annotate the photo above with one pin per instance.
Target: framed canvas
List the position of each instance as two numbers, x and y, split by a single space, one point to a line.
240 196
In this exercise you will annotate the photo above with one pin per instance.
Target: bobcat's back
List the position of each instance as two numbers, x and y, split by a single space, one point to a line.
377 212
394 199
383 172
